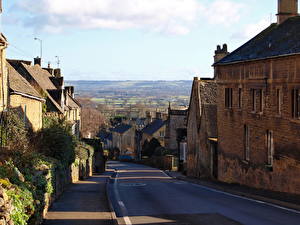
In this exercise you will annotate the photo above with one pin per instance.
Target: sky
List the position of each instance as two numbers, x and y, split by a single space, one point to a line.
131 39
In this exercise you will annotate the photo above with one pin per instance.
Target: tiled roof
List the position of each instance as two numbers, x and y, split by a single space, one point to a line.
208 91
41 76
122 128
72 103
277 40
154 126
18 84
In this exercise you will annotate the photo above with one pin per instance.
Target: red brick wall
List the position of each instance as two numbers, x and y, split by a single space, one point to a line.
268 75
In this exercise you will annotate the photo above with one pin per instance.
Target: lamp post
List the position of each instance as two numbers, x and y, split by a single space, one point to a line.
41 46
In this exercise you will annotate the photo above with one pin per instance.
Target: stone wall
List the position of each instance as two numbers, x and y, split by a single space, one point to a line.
268 75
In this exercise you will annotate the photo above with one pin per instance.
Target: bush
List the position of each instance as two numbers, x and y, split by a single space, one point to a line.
15 135
56 141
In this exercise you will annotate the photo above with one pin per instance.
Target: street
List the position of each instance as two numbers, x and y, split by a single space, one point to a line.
144 195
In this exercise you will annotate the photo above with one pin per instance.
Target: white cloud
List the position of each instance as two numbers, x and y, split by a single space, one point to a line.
224 12
167 16
252 30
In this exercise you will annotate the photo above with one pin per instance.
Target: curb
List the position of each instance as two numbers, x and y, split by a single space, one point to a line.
108 194
274 202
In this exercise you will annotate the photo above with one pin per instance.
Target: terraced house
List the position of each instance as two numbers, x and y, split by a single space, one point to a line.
259 106
49 83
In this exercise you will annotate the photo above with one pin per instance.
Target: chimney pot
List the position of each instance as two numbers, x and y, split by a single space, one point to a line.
38 61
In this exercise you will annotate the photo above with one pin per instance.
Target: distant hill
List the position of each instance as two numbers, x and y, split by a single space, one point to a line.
134 92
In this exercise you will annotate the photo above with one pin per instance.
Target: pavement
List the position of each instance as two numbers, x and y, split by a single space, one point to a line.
83 203
142 195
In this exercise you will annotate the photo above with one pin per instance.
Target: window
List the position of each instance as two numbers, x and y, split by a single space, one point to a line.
161 133
295 103
228 97
257 100
270 146
260 99
240 98
278 101
253 99
247 142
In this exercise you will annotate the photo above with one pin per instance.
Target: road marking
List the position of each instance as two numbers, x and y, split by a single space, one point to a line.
245 198
121 203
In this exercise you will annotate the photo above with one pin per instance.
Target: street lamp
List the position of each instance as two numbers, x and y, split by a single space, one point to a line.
41 45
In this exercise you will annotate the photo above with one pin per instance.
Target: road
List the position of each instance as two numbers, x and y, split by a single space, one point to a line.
144 195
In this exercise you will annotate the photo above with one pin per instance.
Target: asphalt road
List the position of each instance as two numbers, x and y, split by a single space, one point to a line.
143 195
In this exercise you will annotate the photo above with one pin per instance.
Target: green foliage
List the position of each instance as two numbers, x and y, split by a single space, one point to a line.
56 141
15 127
84 151
149 147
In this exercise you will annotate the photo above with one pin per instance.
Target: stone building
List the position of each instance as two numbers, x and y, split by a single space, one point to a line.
175 128
258 107
3 74
123 138
25 99
202 157
156 129
49 83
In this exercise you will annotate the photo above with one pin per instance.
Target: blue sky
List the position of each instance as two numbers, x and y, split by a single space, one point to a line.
132 39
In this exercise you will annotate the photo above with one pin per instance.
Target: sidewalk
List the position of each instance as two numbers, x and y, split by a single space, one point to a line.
83 203
282 199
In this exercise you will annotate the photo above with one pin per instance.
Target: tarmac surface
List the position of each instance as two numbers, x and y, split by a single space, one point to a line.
83 203
143 195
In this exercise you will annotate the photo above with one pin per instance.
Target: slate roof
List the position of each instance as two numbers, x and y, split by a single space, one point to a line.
104 136
72 103
276 40
154 126
19 84
122 128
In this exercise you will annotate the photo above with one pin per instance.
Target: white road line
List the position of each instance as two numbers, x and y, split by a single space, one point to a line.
121 203
245 198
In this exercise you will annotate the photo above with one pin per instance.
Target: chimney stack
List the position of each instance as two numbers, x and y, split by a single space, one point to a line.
57 73
38 61
286 9
220 53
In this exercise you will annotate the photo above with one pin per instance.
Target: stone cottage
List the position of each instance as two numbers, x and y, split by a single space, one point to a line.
60 100
175 128
123 139
25 99
202 156
156 129
258 106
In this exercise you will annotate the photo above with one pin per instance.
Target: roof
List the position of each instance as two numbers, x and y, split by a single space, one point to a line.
204 99
122 128
19 84
276 40
154 126
208 91
72 103
41 76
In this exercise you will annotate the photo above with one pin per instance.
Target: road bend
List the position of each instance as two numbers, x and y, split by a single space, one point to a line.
144 195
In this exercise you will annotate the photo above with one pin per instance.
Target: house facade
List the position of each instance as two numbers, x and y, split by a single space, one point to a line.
25 99
60 100
202 156
156 129
123 138
258 104
175 126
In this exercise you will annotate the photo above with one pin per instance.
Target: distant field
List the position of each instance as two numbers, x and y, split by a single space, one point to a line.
125 93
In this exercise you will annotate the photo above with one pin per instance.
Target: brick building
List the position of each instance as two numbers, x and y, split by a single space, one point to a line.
259 106
202 157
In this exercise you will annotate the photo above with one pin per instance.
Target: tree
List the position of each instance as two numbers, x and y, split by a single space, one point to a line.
149 147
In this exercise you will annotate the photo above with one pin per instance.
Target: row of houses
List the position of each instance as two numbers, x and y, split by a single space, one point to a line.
243 126
36 92
130 137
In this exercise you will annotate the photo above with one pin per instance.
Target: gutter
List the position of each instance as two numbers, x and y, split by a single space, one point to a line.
253 60
28 96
